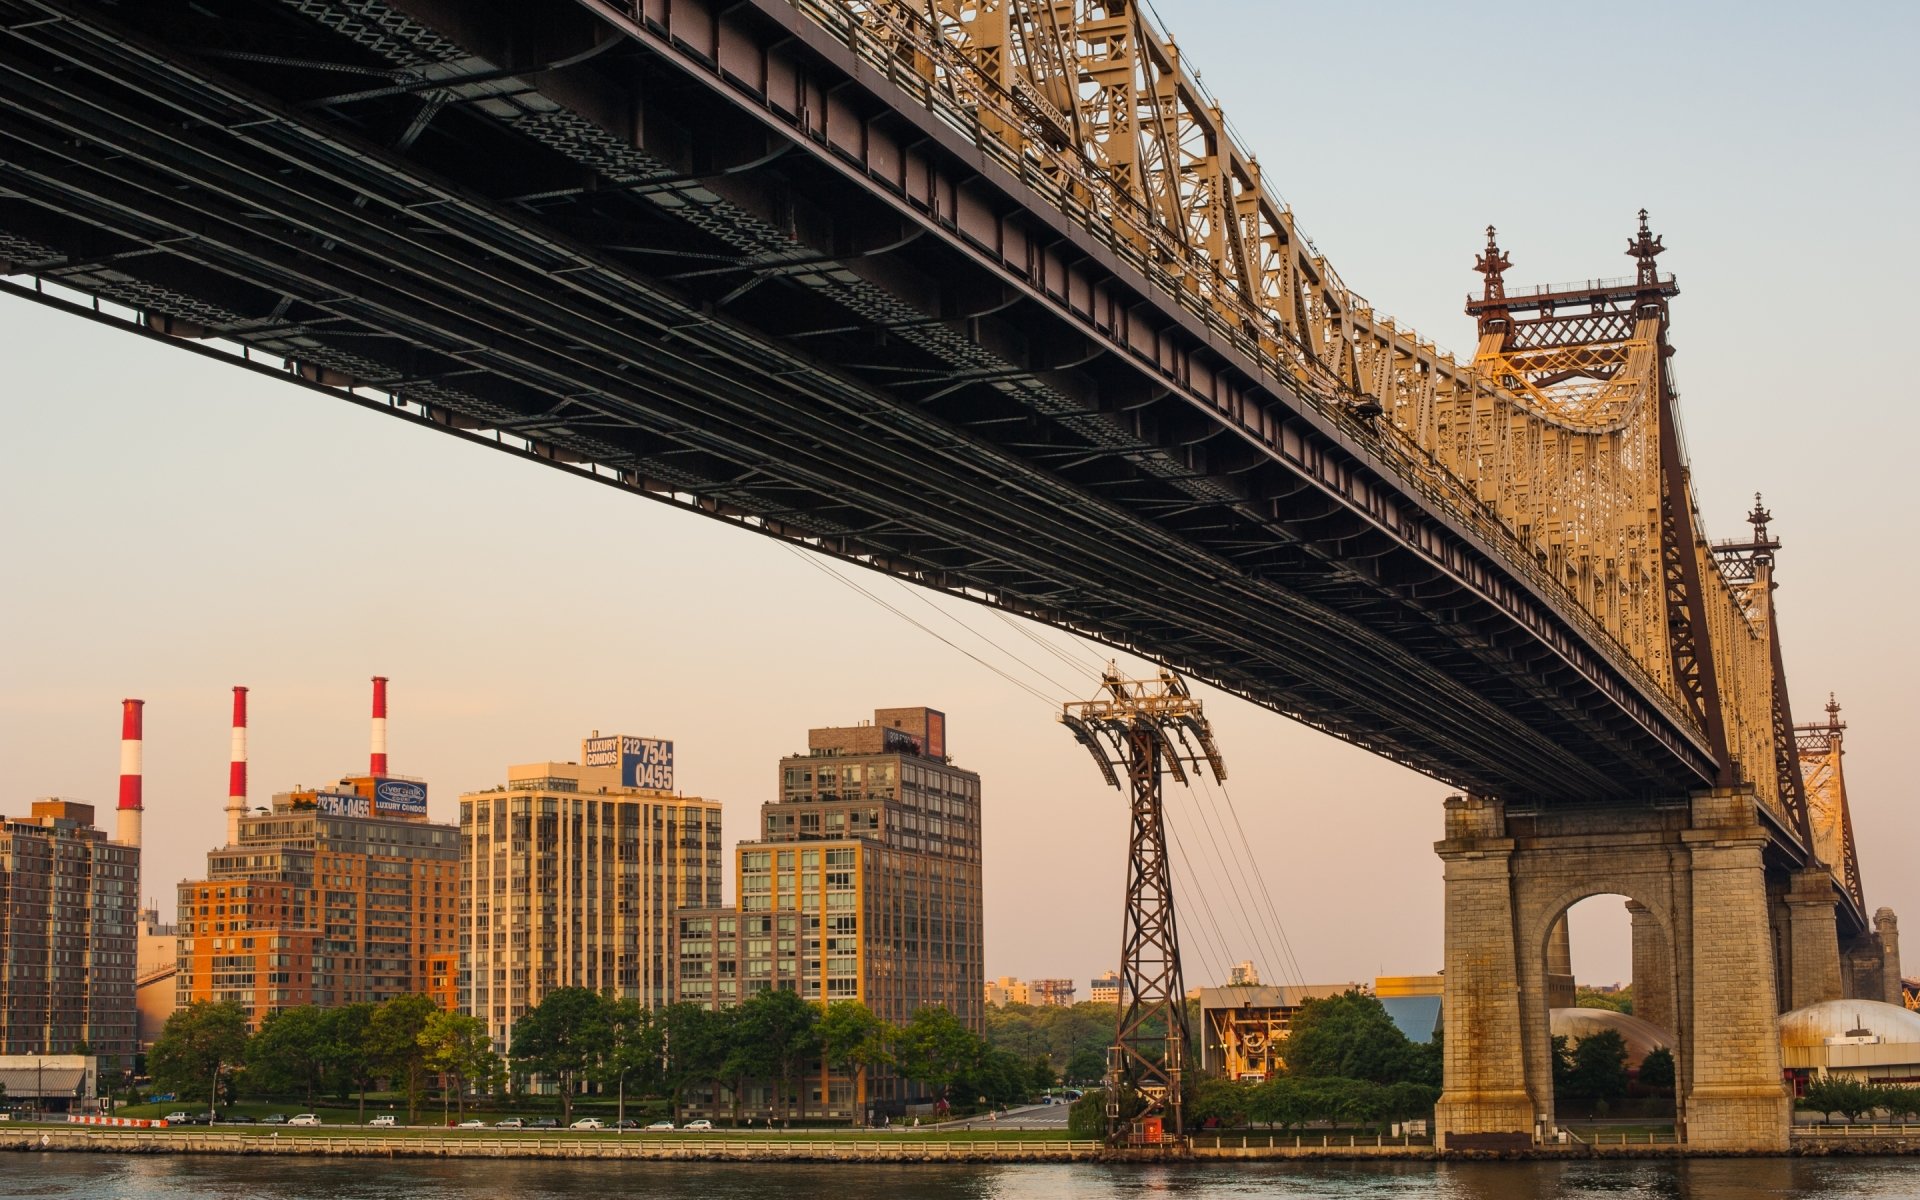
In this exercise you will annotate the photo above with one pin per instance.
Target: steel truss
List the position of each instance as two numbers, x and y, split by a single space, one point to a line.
979 295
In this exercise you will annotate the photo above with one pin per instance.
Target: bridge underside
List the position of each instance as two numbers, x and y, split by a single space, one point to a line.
711 261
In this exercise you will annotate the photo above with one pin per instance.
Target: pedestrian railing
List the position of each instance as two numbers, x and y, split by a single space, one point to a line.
1845 1131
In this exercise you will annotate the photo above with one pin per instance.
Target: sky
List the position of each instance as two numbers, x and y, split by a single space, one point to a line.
173 527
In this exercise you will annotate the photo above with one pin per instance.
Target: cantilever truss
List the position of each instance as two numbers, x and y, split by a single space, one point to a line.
1139 726
1558 443
1820 753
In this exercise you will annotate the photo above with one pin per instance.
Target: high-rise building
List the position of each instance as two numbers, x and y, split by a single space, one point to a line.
332 896
69 899
865 885
1105 989
572 874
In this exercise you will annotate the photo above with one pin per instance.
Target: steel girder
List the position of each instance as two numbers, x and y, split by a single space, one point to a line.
976 439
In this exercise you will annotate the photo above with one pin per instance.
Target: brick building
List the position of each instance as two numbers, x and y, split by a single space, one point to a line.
331 897
69 900
865 885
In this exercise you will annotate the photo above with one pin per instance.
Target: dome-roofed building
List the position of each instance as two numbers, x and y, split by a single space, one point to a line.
1862 1039
1641 1037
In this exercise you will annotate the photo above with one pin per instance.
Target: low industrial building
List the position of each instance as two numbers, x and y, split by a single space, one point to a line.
1865 1040
1641 1038
50 1082
1243 1029
157 964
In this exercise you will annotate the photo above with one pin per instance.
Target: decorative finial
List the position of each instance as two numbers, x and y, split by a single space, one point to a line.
1758 518
1492 264
1644 248
1833 712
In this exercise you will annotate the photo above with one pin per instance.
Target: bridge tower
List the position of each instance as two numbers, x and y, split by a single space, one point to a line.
1694 868
1138 728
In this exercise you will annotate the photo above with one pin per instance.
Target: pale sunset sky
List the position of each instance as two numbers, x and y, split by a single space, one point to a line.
173 527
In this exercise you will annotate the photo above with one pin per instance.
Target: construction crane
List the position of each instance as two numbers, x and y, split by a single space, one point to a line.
1138 727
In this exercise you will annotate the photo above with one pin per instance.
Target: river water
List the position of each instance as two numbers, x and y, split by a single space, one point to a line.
210 1177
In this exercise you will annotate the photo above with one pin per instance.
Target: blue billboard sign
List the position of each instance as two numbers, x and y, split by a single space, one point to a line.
643 762
402 797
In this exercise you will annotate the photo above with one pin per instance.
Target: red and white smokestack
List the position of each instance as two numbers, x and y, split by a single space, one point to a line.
378 765
131 744
237 768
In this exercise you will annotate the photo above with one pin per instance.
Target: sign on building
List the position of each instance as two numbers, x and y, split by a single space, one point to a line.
643 762
400 797
337 804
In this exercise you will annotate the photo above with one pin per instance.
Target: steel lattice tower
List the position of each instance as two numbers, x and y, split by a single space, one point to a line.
1141 727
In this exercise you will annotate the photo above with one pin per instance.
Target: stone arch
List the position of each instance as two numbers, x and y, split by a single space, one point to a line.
1538 925
1694 873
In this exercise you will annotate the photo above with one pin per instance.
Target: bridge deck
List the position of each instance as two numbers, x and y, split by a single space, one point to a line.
725 263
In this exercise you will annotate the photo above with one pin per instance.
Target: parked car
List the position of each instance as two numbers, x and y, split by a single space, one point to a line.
660 1126
701 1126
626 1123
476 1123
384 1121
237 1119
175 1118
587 1123
543 1123
303 1119
510 1123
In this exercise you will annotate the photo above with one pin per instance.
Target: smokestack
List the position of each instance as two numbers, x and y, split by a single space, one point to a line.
130 771
237 768
377 767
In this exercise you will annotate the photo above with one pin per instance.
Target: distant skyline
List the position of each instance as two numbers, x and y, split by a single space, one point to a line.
175 527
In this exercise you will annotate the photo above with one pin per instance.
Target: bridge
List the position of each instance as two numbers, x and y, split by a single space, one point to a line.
984 294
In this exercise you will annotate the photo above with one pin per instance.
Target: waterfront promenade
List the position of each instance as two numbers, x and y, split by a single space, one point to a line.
839 1148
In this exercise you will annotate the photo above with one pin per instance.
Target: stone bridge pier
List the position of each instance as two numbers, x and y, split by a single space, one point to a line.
1693 874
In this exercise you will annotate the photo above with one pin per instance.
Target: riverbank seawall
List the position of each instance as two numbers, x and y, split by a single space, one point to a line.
723 1148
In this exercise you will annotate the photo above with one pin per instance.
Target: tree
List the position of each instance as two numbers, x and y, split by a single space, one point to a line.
1409 1101
1350 1036
562 1038
1278 1102
1834 1094
636 1043
1222 1102
1087 1118
393 1043
349 1051
695 1049
1561 1060
1898 1101
199 1042
1656 1071
1599 1067
1087 1064
290 1053
934 1048
1615 1001
852 1037
457 1046
775 1036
